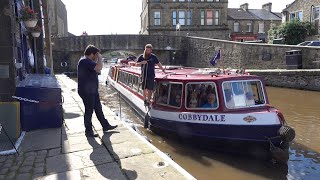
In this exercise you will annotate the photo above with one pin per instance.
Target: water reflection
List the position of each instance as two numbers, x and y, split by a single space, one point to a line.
301 109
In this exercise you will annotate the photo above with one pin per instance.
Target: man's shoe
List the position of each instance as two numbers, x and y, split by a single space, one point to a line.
110 127
92 135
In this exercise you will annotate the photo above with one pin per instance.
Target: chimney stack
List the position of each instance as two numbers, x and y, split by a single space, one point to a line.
267 6
244 6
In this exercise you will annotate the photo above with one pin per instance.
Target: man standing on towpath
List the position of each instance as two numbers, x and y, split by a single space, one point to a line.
88 83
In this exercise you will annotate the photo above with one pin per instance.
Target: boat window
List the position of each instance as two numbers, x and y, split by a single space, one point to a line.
201 96
135 83
169 94
240 94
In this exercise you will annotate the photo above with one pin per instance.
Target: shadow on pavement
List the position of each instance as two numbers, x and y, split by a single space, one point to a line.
113 170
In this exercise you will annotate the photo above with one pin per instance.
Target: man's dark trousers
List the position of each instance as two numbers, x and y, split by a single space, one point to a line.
92 102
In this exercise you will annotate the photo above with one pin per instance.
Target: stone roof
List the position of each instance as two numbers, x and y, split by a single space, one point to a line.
264 15
240 14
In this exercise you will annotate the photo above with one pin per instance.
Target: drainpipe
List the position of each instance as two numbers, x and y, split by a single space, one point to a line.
148 2
311 8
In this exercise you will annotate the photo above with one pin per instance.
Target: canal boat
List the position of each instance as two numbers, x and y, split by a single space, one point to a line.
206 104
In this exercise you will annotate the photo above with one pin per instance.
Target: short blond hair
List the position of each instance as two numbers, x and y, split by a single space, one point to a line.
148 46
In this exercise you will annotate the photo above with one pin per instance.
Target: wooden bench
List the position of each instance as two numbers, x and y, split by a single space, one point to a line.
317 63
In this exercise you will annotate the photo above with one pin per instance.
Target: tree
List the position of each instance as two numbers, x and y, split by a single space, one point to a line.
293 32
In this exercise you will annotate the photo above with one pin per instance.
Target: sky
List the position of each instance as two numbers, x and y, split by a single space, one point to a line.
98 17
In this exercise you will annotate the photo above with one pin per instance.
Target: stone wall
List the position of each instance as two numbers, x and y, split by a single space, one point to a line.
298 79
246 55
8 50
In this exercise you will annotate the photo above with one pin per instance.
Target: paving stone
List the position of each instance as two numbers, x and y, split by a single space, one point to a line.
42 153
37 176
4 171
23 176
54 152
28 162
2 176
14 168
144 167
40 160
77 160
2 159
41 164
11 175
25 169
30 154
38 170
41 139
7 165
105 171
63 176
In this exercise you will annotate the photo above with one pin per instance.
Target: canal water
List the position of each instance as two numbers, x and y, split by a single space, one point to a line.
302 112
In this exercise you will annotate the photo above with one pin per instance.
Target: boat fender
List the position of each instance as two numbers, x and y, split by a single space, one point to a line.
287 133
146 121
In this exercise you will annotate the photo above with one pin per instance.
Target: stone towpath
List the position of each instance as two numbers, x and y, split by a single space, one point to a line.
66 153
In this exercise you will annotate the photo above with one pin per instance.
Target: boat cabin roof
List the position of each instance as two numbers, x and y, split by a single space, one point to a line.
180 73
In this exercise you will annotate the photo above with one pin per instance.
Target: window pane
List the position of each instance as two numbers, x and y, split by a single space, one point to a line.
201 96
299 15
261 27
174 14
175 95
243 94
162 93
216 17
202 14
249 28
181 14
209 14
236 27
202 22
182 18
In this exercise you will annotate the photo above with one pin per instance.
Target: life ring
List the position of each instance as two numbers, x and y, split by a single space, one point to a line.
63 64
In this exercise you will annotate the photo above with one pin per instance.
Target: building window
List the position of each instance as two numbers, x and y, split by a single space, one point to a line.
209 18
174 18
236 27
202 17
296 16
157 18
216 17
182 17
316 13
189 15
261 27
249 27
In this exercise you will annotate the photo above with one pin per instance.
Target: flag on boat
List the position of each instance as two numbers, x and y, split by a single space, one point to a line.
215 58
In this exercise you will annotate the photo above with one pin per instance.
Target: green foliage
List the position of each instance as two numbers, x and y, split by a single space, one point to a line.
293 32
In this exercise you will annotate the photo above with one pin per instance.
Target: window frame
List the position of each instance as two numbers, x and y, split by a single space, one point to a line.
249 28
184 17
155 18
313 13
238 26
204 82
259 94
260 27
208 19
215 18
169 92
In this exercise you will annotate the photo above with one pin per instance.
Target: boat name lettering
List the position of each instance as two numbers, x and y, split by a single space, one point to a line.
198 117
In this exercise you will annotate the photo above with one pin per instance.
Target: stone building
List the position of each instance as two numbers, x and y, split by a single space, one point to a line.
303 11
251 24
205 18
58 18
